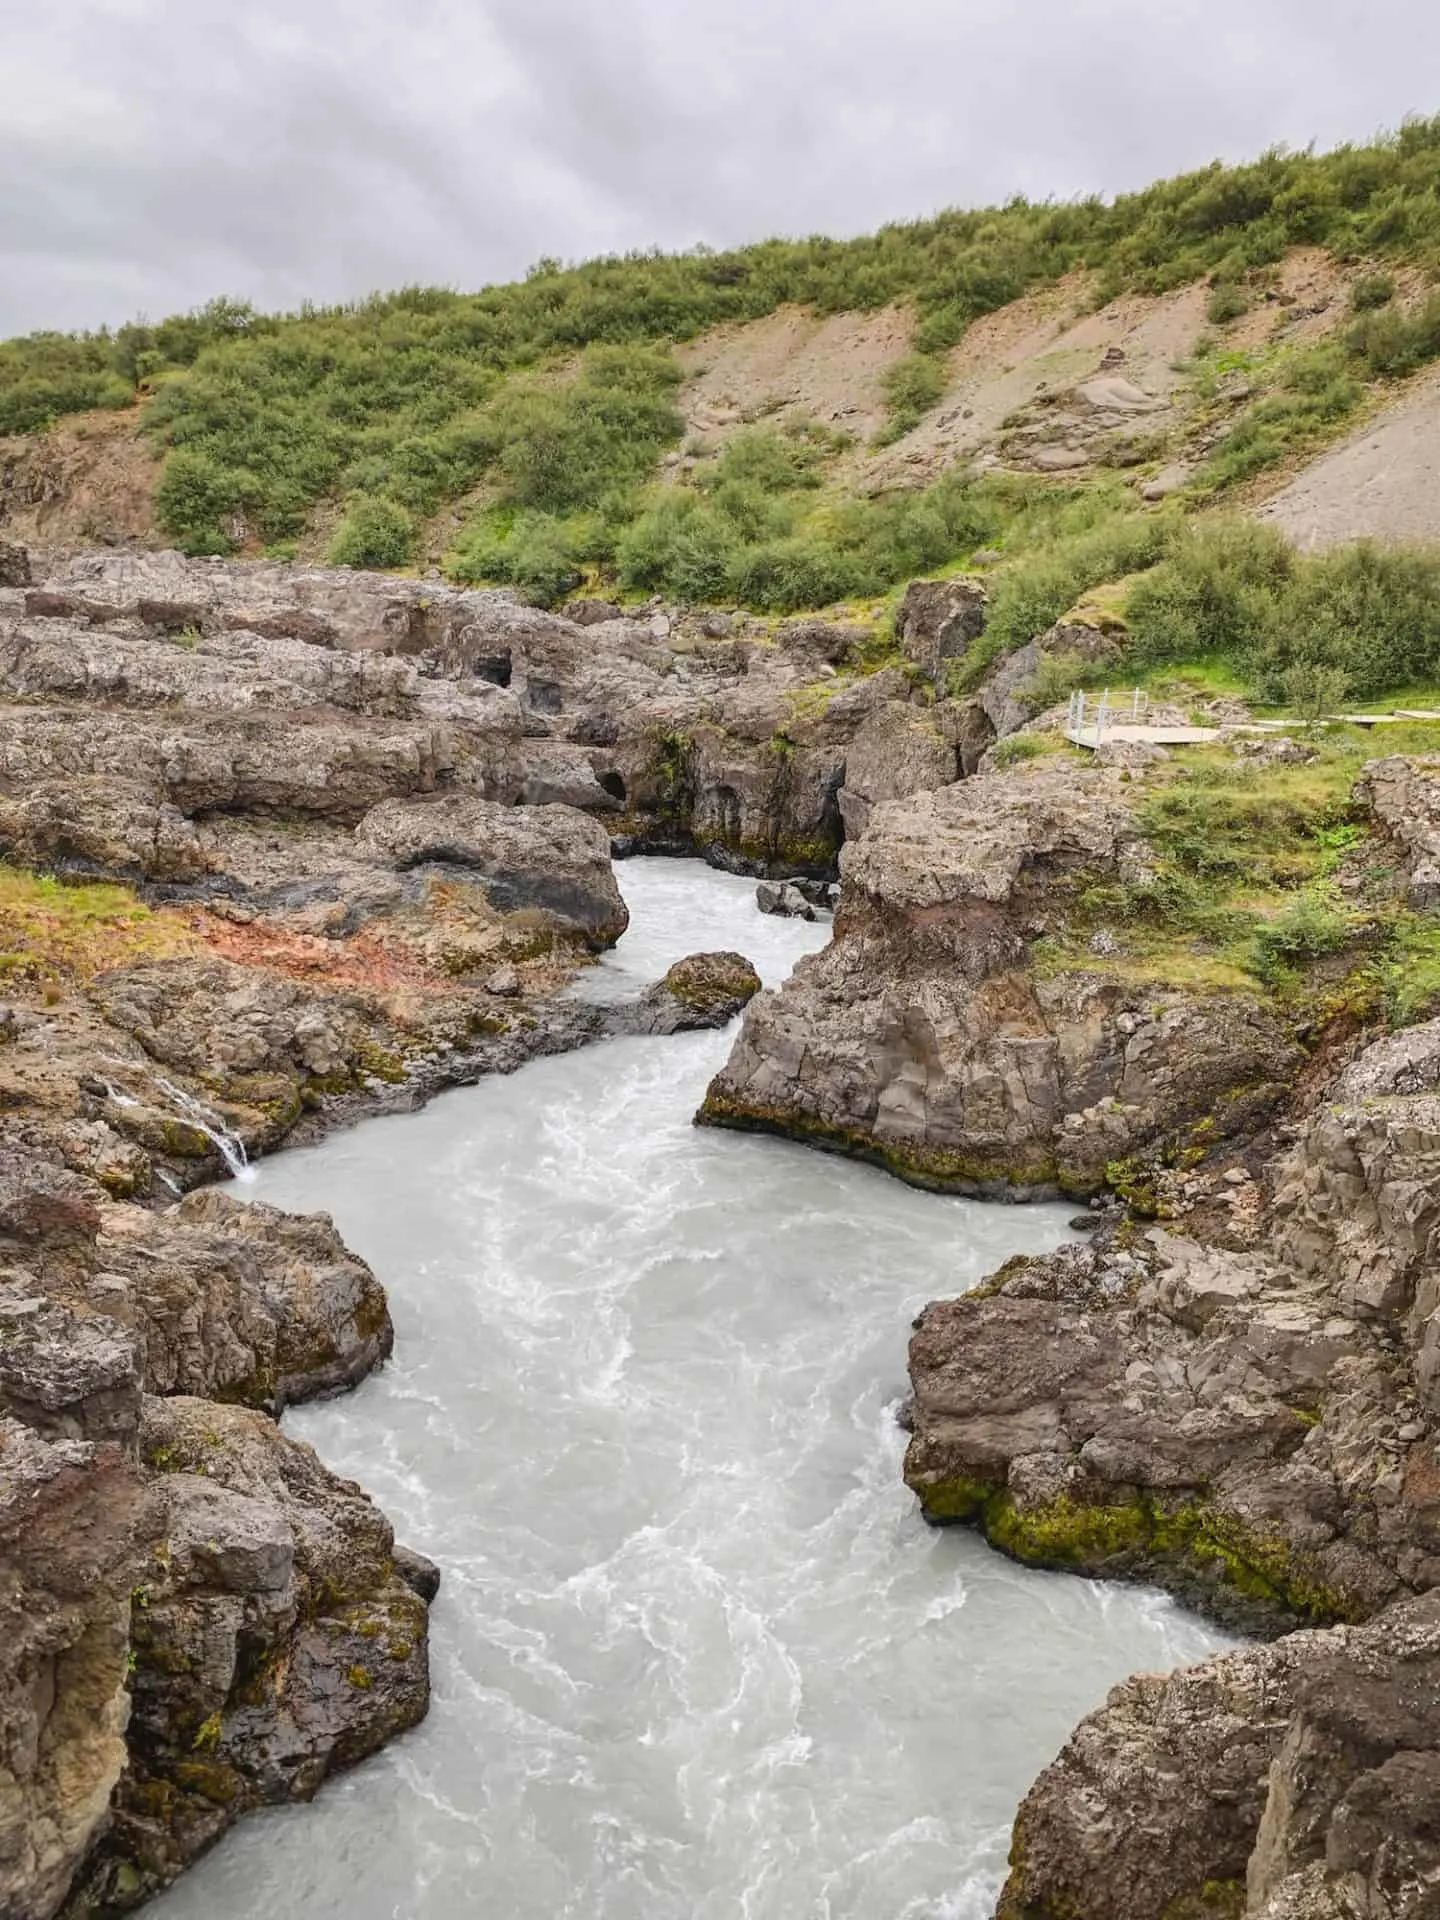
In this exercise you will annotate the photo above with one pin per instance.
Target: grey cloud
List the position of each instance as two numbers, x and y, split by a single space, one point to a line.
156 152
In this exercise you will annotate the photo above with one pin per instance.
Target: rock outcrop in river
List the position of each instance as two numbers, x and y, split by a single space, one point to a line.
924 1038
1231 1389
189 1596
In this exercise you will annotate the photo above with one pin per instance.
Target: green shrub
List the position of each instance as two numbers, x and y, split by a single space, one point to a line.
374 533
789 575
539 553
1227 302
201 503
562 447
1315 393
680 546
1033 595
1370 613
1306 929
1391 342
1213 597
1237 592
1372 290
1314 690
771 460
912 386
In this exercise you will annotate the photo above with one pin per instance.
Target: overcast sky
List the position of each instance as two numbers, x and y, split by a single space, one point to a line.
154 153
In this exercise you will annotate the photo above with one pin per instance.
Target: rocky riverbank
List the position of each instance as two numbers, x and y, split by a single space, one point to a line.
1044 980
279 850
284 847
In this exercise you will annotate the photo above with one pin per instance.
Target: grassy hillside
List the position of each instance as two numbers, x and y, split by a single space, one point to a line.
542 411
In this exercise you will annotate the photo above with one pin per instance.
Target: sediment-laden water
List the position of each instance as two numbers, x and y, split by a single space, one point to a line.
696 1656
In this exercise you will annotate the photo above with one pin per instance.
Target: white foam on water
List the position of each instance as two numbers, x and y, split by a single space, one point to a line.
696 1656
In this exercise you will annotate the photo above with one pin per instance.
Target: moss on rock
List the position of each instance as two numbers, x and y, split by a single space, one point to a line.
1186 1544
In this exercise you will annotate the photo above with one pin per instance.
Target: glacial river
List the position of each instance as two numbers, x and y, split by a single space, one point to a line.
696 1656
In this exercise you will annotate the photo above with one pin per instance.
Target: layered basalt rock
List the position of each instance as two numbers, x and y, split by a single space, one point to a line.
274 1636
728 738
1295 1781
552 859
1240 1404
188 1595
923 1038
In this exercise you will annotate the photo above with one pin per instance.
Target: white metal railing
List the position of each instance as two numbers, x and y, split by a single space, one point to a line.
1100 715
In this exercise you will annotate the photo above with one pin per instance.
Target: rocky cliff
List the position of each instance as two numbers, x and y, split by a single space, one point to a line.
277 848
925 1038
1229 1387
189 1596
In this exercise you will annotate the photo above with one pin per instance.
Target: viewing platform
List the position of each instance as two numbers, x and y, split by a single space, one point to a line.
1095 723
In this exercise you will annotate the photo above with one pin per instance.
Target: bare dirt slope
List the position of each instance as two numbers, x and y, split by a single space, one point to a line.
1381 484
1052 384
1048 384
793 363
88 483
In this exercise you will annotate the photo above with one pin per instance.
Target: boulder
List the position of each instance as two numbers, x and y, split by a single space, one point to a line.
782 897
100 823
899 750
939 620
703 990
550 858
77 1519
274 1641
1404 796
591 613
1019 686
1288 1782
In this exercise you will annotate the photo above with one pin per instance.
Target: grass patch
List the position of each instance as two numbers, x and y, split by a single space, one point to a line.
52 933
1243 888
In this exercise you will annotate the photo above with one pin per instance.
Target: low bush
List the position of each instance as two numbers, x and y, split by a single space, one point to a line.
1227 302
1016 748
1306 929
1363 617
912 386
1372 290
1392 342
681 545
374 533
539 553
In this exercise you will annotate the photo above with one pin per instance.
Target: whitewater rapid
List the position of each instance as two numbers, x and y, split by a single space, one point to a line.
696 1656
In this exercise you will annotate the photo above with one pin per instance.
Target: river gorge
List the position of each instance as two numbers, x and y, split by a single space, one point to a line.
696 1654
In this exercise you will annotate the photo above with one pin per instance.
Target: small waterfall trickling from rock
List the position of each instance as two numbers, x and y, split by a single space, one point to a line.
230 1146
